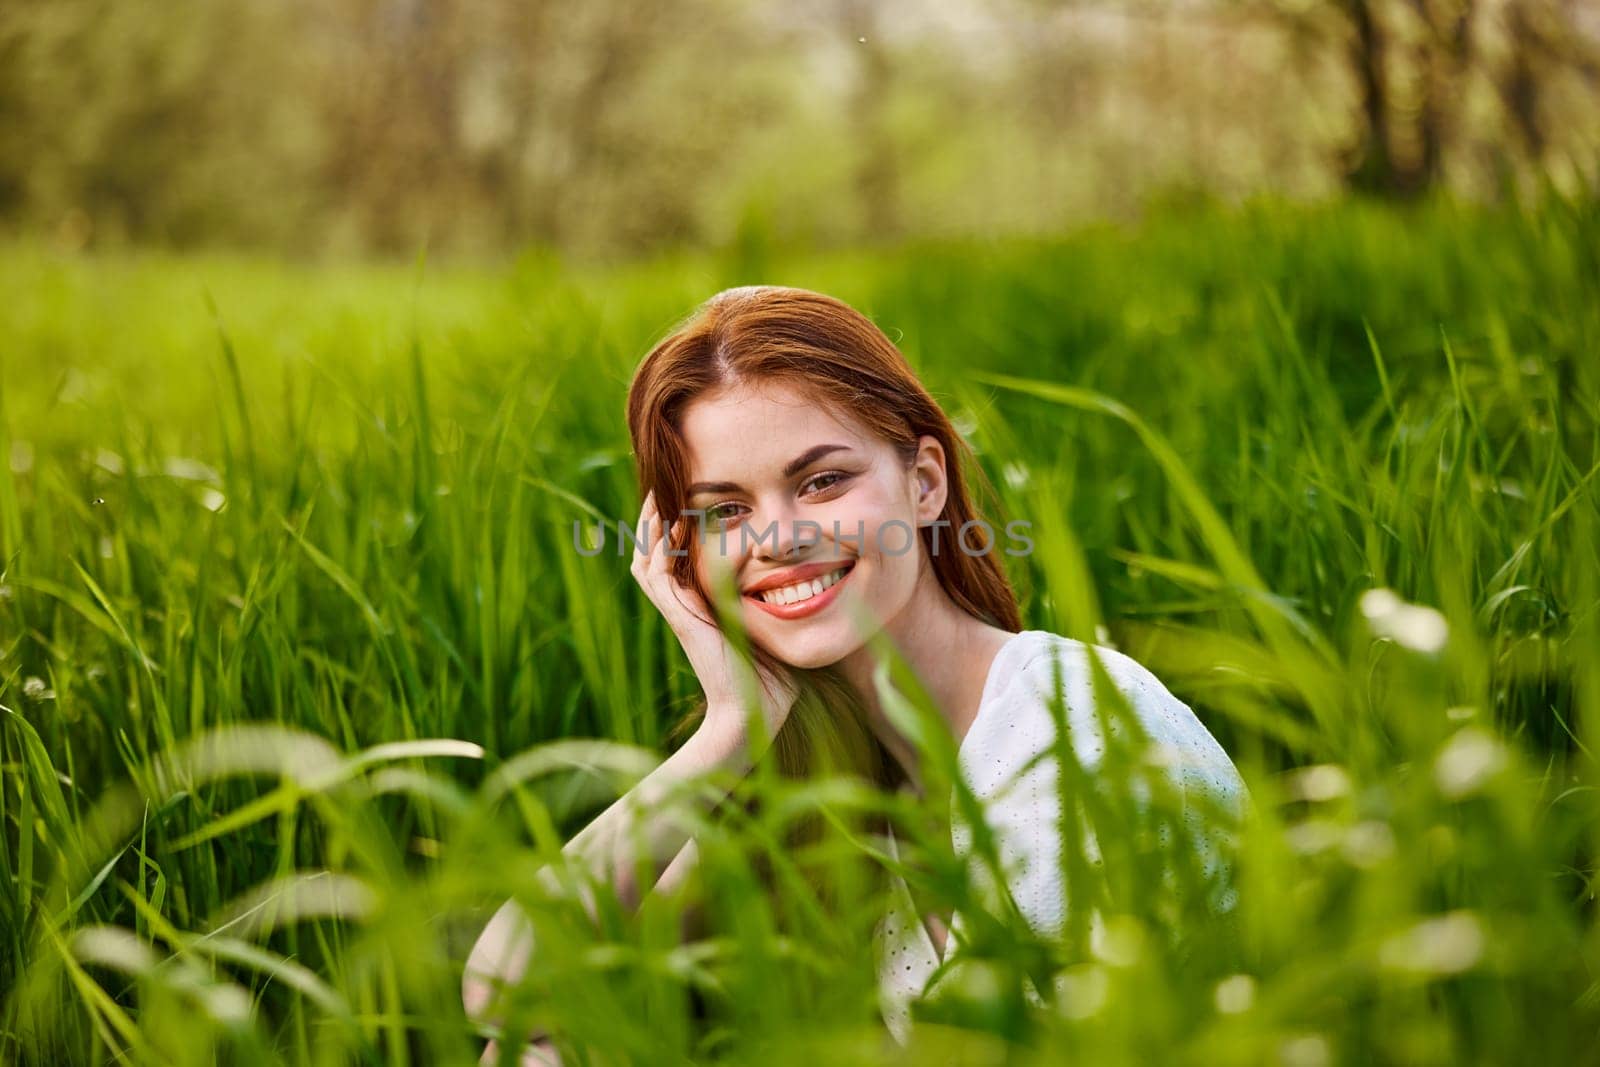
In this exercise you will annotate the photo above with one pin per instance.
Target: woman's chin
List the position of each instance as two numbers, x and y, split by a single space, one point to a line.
809 651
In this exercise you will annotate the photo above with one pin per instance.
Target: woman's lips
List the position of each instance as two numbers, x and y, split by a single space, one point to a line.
802 608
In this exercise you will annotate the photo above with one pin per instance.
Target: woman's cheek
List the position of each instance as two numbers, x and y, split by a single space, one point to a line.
842 530
889 541
853 523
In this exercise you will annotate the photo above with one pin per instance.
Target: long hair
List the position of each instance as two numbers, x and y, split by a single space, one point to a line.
839 359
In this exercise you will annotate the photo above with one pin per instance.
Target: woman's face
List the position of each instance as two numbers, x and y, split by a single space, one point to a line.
793 494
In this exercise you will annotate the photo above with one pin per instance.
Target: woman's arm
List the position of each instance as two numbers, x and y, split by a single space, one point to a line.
692 924
604 847
540 1052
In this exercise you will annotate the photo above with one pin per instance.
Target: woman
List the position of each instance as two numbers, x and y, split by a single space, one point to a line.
783 442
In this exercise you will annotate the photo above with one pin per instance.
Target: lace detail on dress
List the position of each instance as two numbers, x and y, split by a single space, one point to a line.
1012 727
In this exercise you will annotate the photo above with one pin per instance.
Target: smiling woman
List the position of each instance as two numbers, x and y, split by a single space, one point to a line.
784 443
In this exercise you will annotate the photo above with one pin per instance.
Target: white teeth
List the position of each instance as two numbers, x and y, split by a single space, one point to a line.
792 594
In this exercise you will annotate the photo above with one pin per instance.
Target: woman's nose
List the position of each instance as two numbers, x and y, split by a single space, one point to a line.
783 533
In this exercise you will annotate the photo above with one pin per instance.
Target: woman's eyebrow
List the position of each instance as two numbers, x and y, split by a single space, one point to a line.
794 466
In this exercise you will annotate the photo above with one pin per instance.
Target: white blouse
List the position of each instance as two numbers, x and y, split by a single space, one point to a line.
1013 724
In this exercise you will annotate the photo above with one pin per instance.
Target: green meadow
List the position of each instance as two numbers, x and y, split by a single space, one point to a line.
301 674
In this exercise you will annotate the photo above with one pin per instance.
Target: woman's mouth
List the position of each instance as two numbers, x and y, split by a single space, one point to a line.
801 599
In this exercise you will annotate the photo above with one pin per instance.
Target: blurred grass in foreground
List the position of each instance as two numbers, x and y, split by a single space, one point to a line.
290 595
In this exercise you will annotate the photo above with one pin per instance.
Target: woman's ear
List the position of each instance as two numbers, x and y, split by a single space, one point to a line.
931 486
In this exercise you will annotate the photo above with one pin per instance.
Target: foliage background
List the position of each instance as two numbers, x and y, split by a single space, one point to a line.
1279 322
603 129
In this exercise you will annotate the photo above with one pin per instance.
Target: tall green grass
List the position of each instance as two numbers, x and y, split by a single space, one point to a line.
301 673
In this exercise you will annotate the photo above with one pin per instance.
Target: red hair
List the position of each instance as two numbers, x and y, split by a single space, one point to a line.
836 356
839 359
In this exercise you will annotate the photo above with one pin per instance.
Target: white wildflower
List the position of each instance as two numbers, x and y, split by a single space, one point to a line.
1313 836
1321 781
1368 843
1448 944
1415 626
1467 761
21 457
190 470
1235 994
1118 941
1307 1050
1082 991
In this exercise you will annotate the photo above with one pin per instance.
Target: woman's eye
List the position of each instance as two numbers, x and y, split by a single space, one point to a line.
822 481
719 514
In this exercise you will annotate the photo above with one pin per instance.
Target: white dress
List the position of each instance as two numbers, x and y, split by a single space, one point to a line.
1014 724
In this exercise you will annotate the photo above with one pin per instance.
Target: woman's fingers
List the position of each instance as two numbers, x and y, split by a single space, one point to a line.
648 536
641 529
541 1054
659 560
652 565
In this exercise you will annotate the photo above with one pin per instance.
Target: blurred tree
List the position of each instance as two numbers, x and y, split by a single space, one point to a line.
1543 35
877 174
1419 65
617 126
120 122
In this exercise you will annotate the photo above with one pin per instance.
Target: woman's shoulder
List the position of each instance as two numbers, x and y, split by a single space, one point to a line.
1040 654
1046 677
1008 758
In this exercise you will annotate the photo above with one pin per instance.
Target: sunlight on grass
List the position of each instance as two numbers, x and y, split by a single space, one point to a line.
302 674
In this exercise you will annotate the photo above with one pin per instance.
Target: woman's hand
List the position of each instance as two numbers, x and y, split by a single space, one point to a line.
537 1053
540 1053
715 661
